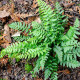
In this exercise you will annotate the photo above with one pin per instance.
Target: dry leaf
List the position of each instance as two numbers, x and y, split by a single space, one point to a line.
23 78
25 34
38 19
23 15
6 31
66 5
4 14
66 71
6 7
16 34
37 10
53 1
34 4
12 7
38 78
63 13
19 1
79 10
2 40
4 45
9 68
3 19
15 17
69 15
4 61
30 19
71 9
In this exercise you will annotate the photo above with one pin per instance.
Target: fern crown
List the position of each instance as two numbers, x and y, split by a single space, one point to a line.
47 41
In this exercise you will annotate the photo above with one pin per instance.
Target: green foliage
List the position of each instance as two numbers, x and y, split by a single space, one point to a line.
2 79
28 67
51 67
21 26
47 41
59 52
41 62
71 46
21 38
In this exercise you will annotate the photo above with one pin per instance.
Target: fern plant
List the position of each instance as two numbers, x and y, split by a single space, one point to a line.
47 41
21 26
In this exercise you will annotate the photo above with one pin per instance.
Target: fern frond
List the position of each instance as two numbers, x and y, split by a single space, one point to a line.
70 64
37 67
52 21
62 19
39 31
54 76
51 67
21 26
59 52
47 74
43 59
68 45
58 8
14 49
72 32
76 51
21 38
71 46
25 50
41 62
